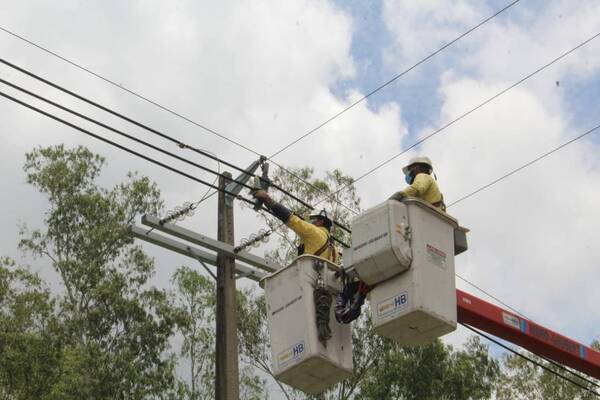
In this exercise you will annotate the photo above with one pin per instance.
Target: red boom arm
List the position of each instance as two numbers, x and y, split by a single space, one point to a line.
529 335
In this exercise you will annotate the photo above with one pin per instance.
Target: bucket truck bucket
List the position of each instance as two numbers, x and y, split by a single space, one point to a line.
406 250
299 358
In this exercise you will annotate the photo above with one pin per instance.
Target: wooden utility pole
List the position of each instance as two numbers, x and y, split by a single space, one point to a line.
226 368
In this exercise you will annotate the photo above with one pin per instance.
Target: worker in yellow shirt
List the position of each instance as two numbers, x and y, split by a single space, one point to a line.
421 184
315 237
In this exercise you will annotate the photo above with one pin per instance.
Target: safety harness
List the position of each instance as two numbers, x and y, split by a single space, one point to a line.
440 204
327 245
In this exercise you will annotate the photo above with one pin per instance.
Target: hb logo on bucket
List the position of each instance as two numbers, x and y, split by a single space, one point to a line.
392 305
291 354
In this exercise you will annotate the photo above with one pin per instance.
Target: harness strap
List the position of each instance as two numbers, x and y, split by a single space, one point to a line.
440 204
323 248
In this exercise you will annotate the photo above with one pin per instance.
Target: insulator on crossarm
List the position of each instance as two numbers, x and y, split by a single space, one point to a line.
265 236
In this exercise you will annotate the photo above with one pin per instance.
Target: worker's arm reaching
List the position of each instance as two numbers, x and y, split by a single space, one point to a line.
314 237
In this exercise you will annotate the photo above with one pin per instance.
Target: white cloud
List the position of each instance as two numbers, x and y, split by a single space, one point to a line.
420 28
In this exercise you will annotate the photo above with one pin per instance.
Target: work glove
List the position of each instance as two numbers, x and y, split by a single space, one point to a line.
398 196
261 195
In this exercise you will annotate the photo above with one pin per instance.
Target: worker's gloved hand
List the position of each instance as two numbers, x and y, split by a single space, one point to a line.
261 195
398 196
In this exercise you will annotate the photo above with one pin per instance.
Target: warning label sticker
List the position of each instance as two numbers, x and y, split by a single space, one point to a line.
436 256
511 320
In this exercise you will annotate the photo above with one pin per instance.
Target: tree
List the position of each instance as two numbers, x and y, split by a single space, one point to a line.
195 300
432 371
115 329
30 341
521 378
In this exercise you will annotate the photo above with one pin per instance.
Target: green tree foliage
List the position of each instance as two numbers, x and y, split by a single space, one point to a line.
30 339
433 371
523 379
113 330
195 301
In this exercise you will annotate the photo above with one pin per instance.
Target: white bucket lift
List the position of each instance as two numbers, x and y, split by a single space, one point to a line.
406 249
299 358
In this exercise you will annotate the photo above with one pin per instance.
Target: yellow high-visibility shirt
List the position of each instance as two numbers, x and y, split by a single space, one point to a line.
312 237
425 188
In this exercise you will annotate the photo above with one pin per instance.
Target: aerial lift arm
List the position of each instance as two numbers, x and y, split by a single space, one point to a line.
518 330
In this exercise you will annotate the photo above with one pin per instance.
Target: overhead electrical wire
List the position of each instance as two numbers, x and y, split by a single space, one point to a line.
372 92
117 131
168 110
490 295
380 87
151 160
514 171
121 147
465 114
117 85
544 367
137 123
557 148
152 130
58 119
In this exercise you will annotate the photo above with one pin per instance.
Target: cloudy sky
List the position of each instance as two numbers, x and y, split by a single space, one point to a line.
264 73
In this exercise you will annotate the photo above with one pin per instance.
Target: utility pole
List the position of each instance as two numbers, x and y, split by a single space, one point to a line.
226 368
226 363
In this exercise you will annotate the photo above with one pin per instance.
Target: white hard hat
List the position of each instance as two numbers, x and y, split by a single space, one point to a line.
323 214
417 160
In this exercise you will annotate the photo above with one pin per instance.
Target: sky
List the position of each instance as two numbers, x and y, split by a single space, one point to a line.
265 73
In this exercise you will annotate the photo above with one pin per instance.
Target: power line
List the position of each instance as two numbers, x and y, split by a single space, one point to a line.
493 183
514 171
138 95
167 109
117 131
141 125
544 367
490 295
124 148
377 89
472 110
164 108
121 147
112 112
